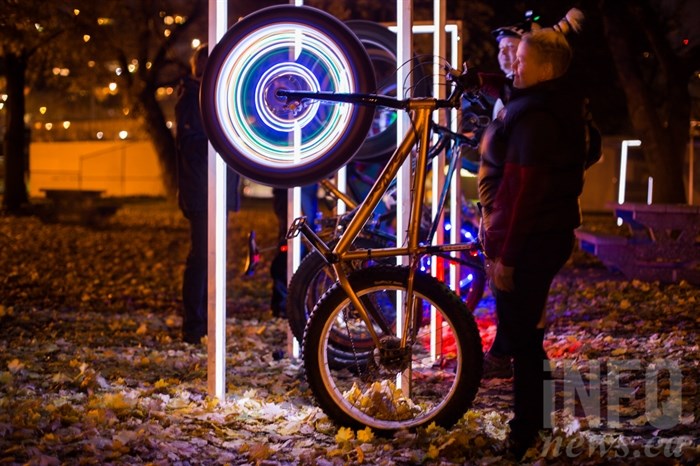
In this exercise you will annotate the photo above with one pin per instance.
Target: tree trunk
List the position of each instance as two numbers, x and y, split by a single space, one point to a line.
162 138
16 165
656 129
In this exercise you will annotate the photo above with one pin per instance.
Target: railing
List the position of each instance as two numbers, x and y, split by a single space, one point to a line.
79 166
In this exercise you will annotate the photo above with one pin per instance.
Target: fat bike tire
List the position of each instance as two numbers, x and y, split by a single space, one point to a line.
442 383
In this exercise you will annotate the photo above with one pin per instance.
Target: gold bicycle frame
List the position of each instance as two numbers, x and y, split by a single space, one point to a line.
420 110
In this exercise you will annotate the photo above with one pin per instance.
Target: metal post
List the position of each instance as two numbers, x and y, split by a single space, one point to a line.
294 245
404 52
694 125
216 215
438 172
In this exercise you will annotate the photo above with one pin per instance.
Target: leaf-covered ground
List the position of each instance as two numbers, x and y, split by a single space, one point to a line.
92 370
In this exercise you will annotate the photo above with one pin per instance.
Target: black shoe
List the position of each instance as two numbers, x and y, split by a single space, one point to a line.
518 445
497 367
279 311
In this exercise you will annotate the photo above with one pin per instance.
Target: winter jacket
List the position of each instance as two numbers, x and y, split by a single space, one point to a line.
192 154
532 168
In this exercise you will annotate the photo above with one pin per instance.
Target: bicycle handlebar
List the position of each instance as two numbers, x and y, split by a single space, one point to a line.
460 80
371 100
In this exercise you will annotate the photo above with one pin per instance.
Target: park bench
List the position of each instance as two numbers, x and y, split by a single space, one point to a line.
82 206
663 242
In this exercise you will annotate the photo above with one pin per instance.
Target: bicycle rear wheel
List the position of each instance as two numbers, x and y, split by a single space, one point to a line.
254 130
441 386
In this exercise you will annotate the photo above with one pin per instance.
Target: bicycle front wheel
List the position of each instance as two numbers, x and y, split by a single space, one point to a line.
254 130
434 378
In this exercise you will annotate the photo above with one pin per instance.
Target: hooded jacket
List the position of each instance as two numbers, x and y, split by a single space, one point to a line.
532 168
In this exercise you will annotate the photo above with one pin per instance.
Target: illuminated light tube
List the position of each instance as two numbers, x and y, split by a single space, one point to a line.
623 170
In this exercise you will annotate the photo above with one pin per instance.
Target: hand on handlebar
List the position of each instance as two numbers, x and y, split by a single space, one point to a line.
468 79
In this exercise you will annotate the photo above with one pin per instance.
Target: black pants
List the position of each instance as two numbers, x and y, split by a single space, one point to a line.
519 313
194 280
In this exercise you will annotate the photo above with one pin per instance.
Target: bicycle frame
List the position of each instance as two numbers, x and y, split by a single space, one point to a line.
419 135
445 135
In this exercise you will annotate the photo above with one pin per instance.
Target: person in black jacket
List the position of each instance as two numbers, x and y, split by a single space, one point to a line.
533 162
497 361
192 177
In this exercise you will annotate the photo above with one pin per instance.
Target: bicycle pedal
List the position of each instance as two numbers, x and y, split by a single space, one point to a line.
296 227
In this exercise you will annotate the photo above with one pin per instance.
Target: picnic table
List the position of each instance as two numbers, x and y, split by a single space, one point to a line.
663 242
83 206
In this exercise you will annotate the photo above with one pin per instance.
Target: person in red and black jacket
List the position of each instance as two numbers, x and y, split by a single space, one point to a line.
497 361
533 162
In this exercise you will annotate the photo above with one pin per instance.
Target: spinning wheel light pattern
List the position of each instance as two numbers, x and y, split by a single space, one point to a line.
263 136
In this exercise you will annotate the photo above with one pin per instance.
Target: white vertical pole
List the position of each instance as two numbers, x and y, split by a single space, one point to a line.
438 172
342 177
691 161
623 170
456 185
216 267
404 52
294 246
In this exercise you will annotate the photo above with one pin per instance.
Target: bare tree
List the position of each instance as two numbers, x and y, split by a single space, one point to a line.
27 28
146 45
655 82
143 45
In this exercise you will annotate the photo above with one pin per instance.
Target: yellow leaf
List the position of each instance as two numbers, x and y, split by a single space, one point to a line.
344 435
115 401
432 427
365 435
433 452
260 452
625 304
212 403
15 366
360 455
142 330
479 441
334 452
618 351
160 384
5 378
60 377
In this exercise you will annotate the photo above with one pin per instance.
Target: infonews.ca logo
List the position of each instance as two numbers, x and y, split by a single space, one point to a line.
606 397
